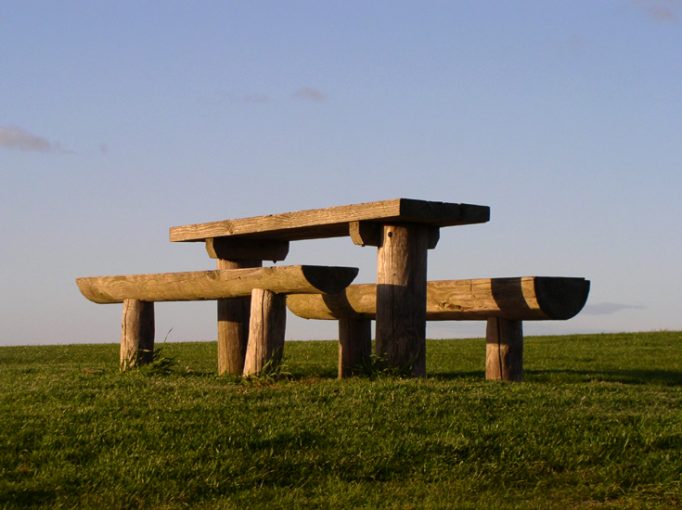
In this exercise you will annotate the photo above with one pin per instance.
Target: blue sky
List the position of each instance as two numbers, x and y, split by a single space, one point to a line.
120 119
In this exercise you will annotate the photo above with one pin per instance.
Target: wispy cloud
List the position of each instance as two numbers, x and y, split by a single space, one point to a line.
663 11
16 138
310 94
607 308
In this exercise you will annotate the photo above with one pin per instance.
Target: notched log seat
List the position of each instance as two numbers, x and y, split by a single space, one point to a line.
267 287
502 302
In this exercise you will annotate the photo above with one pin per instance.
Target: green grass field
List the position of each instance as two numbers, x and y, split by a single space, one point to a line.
597 424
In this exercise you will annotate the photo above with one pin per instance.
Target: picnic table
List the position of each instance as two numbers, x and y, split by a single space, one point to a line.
402 230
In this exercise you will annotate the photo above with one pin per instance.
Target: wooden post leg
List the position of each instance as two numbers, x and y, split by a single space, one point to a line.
355 346
266 331
504 350
233 324
137 334
401 298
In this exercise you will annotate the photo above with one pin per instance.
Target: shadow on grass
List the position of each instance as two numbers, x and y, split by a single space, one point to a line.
631 376
634 376
564 376
453 376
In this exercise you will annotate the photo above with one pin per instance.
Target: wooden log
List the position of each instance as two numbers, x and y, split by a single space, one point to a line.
204 285
401 298
355 346
229 248
366 233
137 334
370 233
266 332
233 324
520 298
334 221
504 350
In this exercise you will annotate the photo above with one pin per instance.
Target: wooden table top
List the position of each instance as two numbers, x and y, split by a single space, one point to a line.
334 221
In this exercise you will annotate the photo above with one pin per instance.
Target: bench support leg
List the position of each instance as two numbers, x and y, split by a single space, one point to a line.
355 346
266 332
137 334
504 350
401 298
233 324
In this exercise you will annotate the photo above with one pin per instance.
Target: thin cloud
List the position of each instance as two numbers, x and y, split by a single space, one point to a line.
660 10
310 94
17 138
609 308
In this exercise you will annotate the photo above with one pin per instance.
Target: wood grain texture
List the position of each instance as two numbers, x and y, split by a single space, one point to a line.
504 350
137 334
233 324
204 285
266 332
334 221
518 298
355 346
401 298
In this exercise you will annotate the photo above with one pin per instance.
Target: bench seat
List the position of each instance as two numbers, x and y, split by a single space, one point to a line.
267 286
217 284
503 302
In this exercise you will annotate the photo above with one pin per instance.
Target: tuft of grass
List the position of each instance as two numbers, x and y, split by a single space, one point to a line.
160 364
596 424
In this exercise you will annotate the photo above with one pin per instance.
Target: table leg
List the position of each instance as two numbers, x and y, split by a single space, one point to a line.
355 346
266 332
504 350
401 298
137 334
233 324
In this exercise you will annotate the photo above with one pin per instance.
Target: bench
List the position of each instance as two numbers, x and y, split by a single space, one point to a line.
502 302
402 230
267 288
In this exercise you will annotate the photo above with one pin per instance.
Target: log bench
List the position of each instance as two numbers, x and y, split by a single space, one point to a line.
402 230
504 303
267 288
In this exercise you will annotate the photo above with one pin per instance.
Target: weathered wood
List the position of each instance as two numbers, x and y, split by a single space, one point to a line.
520 298
504 350
334 221
401 298
229 248
366 233
137 334
370 233
433 237
204 285
266 332
233 324
355 346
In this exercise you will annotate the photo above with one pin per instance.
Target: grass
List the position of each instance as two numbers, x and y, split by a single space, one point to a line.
597 424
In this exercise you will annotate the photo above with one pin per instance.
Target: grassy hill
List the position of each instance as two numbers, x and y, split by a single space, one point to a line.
597 424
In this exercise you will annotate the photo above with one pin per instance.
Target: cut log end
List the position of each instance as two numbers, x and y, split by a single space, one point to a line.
561 298
329 281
